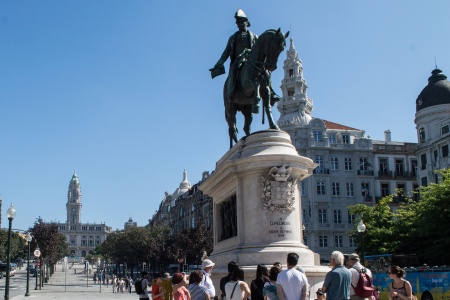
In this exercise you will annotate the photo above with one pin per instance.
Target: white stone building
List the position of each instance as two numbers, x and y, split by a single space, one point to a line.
345 173
433 127
81 237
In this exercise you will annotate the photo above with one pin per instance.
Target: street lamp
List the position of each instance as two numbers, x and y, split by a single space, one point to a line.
361 229
29 239
10 213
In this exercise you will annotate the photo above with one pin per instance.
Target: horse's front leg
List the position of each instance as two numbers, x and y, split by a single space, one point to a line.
265 93
248 116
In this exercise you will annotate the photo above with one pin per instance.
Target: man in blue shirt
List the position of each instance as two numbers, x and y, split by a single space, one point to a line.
337 281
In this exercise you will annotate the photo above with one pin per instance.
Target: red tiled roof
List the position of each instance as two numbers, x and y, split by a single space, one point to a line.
332 125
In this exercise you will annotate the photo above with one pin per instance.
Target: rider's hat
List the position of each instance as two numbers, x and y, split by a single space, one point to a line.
240 14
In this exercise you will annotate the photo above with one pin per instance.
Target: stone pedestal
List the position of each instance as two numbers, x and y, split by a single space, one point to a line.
257 207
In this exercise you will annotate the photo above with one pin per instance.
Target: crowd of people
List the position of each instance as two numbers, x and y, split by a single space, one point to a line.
341 282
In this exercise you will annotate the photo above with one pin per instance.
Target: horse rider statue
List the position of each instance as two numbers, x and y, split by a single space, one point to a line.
237 48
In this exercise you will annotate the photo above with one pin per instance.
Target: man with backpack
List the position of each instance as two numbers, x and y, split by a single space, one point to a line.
141 286
361 286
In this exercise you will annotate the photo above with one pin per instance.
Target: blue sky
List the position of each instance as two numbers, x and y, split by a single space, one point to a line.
120 90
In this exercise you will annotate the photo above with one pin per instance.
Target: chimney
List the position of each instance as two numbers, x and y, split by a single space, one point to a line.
387 136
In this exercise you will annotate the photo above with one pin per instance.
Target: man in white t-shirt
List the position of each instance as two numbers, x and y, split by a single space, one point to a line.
207 266
356 268
292 284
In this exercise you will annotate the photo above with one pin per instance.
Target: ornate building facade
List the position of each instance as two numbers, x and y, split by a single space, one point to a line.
348 162
433 127
185 208
81 237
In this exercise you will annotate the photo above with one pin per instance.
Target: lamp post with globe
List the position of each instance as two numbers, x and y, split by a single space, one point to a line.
29 239
361 229
10 213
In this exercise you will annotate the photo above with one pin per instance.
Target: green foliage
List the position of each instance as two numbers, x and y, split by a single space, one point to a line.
421 227
193 241
52 244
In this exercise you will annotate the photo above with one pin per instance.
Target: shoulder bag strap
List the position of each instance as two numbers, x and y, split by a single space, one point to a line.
231 297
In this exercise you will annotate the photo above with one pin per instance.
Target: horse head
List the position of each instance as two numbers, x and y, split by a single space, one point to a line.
276 42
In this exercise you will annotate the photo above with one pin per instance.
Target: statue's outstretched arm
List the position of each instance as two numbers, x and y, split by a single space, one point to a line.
226 53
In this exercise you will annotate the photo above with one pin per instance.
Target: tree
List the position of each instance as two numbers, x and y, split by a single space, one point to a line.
432 226
416 227
191 243
380 226
52 243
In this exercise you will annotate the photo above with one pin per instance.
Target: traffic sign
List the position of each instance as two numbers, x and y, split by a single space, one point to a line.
37 253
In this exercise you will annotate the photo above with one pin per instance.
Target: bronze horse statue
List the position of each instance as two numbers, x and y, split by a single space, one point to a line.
252 82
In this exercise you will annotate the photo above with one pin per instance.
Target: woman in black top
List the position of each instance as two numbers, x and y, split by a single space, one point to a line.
257 285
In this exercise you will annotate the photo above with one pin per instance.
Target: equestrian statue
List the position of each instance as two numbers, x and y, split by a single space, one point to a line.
252 59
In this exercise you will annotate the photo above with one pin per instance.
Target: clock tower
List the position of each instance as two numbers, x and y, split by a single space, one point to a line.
73 205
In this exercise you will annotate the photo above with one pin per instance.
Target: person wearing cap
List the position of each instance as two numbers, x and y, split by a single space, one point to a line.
207 266
356 268
239 43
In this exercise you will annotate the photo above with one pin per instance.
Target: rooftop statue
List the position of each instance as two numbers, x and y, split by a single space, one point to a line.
252 59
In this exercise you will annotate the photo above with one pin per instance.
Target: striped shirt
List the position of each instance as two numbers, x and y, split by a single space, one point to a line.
198 292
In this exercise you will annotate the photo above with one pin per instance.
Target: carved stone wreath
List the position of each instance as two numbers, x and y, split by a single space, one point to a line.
278 195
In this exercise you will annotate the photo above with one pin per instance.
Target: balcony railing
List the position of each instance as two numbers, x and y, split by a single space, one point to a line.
365 173
321 171
384 173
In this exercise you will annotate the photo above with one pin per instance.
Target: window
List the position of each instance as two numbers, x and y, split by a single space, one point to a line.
337 217
303 215
351 218
424 181
422 135
91 243
290 93
348 163
383 163
423 161
363 164
413 167
332 138
168 208
303 188
97 242
399 167
193 222
84 228
435 152
338 241
91 228
444 129
384 189
349 187
346 139
98 228
334 163
320 188
335 189
291 72
83 243
352 241
323 216
323 241
317 135
445 151
319 160
365 190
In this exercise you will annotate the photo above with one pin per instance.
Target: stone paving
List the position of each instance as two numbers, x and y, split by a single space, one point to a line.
63 286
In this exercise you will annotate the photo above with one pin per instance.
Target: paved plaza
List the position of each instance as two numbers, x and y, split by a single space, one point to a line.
62 286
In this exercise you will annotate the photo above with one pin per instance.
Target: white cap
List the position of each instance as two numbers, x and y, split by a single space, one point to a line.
207 263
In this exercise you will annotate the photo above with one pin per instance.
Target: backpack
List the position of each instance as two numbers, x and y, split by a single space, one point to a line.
138 287
364 288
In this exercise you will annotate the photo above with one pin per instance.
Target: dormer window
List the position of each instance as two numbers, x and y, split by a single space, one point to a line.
345 139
